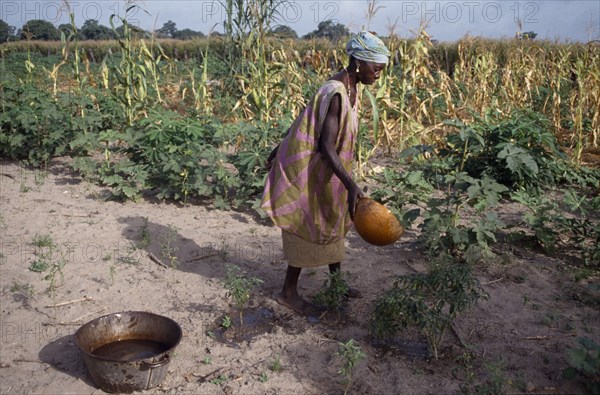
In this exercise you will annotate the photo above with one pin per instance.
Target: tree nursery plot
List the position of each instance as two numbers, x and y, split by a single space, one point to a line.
130 181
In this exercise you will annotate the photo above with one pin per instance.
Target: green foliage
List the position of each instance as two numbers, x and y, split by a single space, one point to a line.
516 151
92 30
330 30
264 377
226 322
351 355
429 301
33 127
221 379
49 260
566 219
496 383
447 230
168 247
584 362
6 31
332 295
275 365
38 29
239 286
177 154
144 235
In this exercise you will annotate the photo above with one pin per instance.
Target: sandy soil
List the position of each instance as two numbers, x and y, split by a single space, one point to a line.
519 336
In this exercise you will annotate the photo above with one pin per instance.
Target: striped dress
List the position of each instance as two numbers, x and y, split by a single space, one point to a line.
302 195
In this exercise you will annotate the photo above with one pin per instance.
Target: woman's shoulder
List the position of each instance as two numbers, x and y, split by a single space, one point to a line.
330 87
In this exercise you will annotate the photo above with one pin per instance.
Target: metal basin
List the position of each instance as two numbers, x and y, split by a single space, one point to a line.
128 351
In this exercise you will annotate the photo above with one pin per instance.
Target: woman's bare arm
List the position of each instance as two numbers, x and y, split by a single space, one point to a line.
327 139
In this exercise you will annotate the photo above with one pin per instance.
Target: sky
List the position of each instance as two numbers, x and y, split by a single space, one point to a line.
561 20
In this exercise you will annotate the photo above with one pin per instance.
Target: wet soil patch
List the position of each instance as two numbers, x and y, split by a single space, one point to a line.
234 328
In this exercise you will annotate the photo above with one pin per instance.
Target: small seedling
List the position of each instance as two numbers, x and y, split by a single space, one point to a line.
275 365
332 296
222 379
263 378
224 251
130 258
496 382
43 241
239 287
207 360
112 271
226 323
168 248
351 354
26 290
144 235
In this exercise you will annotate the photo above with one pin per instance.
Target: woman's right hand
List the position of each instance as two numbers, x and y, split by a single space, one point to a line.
354 193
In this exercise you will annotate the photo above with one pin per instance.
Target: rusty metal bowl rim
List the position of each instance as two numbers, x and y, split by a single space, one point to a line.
92 355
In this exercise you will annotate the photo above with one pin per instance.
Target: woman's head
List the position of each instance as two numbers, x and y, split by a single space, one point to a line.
368 55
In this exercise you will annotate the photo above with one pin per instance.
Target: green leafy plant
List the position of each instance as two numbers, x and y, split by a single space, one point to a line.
47 261
226 322
429 301
144 235
275 365
496 382
334 290
239 287
516 151
264 377
584 362
221 379
168 248
351 354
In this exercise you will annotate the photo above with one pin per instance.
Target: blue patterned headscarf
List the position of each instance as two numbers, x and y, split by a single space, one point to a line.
368 47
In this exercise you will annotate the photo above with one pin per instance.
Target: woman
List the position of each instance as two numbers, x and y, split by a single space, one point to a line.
309 192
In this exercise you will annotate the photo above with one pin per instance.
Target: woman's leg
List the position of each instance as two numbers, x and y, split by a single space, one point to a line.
289 294
352 292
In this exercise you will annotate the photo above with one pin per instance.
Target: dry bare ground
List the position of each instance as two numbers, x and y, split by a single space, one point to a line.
519 337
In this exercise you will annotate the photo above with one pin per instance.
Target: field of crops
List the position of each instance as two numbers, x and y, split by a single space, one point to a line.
488 151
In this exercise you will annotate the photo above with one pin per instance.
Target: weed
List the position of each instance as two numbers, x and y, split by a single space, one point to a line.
39 265
144 235
131 255
168 248
275 365
239 287
351 354
263 378
226 323
332 295
429 301
26 290
43 241
465 363
496 381
222 379
112 272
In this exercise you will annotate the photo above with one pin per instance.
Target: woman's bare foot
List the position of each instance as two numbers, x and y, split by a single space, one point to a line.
297 304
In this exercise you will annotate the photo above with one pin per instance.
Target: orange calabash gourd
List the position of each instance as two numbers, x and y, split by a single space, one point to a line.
375 223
